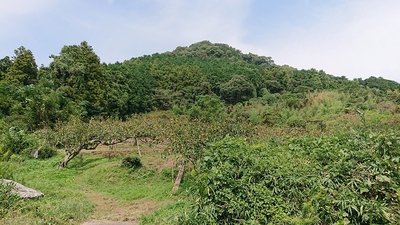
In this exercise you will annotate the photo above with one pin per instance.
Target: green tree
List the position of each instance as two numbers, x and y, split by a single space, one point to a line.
23 69
78 73
237 90
5 63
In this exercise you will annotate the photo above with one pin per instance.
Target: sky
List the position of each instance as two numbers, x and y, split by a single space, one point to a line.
351 38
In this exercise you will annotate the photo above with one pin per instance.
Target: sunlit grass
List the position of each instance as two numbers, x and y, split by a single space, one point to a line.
66 190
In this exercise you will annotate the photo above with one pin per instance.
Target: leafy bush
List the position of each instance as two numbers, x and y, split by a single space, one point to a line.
206 108
17 141
350 178
297 121
46 152
132 162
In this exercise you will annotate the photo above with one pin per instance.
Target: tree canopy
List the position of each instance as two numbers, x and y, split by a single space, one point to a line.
76 83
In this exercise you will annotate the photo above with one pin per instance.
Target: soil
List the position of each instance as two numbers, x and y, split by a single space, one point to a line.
115 212
106 222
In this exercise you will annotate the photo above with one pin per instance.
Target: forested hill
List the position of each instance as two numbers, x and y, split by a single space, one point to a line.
77 83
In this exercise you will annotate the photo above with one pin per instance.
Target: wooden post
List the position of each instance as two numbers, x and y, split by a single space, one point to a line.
178 178
137 144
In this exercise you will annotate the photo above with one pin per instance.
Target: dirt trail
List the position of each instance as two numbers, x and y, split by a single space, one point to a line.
117 212
106 222
114 212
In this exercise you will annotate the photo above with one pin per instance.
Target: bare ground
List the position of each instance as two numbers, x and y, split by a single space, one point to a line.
114 212
110 211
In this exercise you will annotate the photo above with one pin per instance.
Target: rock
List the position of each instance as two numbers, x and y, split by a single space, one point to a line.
22 191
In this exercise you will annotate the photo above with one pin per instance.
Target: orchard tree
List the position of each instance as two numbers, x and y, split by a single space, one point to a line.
76 135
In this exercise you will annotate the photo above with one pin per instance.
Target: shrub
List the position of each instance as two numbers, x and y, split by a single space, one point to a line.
17 141
206 108
296 121
46 152
350 178
132 162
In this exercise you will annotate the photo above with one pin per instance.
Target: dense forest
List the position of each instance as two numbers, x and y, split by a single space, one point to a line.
77 83
240 122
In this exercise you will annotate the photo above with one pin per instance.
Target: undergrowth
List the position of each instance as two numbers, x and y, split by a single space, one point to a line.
351 178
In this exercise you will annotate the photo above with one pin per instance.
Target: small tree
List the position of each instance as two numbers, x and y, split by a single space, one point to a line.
77 135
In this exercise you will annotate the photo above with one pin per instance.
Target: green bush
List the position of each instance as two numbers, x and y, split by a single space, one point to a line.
350 178
297 121
17 141
46 152
206 108
132 162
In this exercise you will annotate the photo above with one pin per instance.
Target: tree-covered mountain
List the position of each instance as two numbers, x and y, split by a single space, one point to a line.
77 83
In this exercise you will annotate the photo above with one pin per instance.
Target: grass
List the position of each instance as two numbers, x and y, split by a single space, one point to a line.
93 187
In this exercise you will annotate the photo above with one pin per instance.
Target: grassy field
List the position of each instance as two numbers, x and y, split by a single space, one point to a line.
96 186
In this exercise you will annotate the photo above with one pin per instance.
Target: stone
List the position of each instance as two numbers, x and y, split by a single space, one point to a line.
22 191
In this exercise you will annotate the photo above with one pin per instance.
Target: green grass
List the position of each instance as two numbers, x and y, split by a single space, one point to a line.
66 190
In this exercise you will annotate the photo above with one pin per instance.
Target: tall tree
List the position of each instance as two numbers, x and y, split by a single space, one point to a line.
23 69
5 63
77 71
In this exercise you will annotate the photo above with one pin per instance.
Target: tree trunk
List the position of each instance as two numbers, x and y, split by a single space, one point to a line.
178 178
68 156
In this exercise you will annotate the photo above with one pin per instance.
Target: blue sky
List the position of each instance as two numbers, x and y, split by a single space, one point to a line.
352 38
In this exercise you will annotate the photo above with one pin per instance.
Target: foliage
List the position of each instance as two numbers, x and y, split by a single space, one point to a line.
296 121
131 162
18 141
189 138
349 178
380 83
46 152
78 73
237 90
206 108
76 83
23 69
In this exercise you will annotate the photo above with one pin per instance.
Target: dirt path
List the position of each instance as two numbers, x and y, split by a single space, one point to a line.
114 212
106 222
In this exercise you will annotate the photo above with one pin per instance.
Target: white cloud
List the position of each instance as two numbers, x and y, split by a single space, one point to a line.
356 39
176 23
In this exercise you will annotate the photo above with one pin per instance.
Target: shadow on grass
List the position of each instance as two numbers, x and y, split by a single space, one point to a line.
80 163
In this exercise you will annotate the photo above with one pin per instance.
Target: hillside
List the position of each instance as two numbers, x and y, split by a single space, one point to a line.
201 135
77 83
